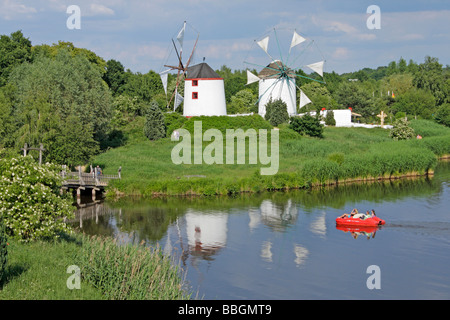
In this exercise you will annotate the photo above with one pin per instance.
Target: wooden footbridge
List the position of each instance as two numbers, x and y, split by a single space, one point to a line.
79 181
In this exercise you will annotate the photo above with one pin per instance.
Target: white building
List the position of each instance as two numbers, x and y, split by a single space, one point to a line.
204 92
272 86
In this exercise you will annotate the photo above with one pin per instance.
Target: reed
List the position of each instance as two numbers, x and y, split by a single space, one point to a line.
131 272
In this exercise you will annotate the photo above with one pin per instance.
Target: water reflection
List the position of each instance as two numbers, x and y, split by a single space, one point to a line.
355 232
248 242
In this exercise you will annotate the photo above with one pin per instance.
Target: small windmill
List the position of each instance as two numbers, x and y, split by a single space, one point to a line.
277 80
181 68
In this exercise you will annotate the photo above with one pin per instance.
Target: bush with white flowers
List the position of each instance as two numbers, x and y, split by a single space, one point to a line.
30 200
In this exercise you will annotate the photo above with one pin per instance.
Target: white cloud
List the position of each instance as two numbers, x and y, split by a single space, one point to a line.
98 10
11 9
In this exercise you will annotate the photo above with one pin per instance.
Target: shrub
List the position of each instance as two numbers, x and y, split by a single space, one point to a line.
276 112
308 125
401 130
30 200
3 248
154 127
173 121
223 123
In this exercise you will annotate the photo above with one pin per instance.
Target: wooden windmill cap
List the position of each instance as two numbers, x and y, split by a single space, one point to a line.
269 73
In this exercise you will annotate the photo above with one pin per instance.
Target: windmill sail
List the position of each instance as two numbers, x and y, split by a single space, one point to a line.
304 100
180 36
251 77
264 43
317 67
163 76
296 40
178 100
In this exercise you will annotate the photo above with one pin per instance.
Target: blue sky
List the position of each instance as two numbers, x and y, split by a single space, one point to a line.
139 33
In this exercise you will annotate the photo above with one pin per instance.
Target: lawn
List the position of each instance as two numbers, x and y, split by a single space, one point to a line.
147 167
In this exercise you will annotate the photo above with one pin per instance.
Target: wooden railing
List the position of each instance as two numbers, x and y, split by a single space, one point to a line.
87 179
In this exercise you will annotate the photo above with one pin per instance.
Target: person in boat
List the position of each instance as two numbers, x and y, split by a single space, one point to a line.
359 216
349 215
373 213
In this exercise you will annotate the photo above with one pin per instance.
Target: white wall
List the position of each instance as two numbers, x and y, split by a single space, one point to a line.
211 98
283 89
343 117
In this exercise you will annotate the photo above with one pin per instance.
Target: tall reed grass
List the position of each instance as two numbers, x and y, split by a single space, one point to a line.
130 272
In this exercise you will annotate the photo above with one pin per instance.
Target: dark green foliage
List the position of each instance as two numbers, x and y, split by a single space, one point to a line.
3 248
329 118
173 121
14 50
276 112
154 127
307 125
442 115
114 76
223 123
61 102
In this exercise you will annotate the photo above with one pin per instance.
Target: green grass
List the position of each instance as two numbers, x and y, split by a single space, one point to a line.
38 271
147 167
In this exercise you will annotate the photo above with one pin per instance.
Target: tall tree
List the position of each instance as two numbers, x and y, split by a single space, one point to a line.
14 50
51 93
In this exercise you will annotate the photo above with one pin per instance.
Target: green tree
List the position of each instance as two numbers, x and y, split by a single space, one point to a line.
353 95
416 102
49 91
53 51
319 96
329 118
442 115
276 112
114 76
154 127
242 102
429 76
14 50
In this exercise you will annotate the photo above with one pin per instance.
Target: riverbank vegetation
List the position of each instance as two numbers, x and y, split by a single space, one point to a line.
37 247
342 154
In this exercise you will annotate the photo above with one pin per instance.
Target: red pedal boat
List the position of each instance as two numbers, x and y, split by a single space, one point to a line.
368 222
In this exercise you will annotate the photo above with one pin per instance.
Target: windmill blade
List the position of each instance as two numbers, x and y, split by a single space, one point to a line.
163 76
264 43
304 100
251 78
317 67
296 40
180 36
178 100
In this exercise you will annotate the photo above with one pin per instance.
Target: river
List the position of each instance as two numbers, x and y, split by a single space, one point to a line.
285 245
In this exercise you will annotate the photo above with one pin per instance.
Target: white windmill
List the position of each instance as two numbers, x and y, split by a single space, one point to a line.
277 80
204 93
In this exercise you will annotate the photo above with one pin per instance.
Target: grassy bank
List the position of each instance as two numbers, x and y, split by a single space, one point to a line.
343 154
38 271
